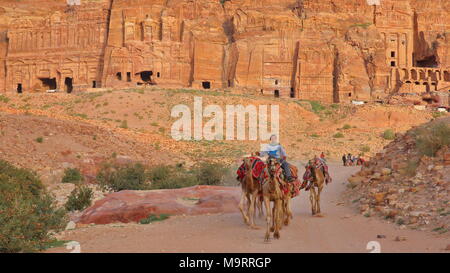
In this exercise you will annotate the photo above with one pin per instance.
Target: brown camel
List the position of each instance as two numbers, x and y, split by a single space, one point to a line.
270 192
250 192
277 174
318 182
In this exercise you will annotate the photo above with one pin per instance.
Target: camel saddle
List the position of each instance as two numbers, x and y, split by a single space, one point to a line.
258 167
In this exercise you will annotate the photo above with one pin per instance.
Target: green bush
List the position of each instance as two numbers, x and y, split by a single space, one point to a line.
316 106
175 182
346 126
136 177
4 99
128 177
39 140
438 114
432 138
159 173
171 177
27 211
79 199
168 177
72 175
338 135
210 174
365 149
389 134
124 124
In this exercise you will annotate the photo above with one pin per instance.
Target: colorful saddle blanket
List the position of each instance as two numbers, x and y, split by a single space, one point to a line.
289 187
292 187
258 167
308 176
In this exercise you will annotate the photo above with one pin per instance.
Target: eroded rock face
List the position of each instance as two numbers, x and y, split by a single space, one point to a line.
132 206
332 51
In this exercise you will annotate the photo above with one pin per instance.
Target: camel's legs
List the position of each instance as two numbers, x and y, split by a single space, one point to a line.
318 198
278 219
251 215
243 209
281 214
260 202
256 209
272 228
312 198
259 207
268 218
288 211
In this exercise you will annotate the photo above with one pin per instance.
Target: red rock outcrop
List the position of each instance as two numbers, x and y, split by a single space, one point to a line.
132 206
332 51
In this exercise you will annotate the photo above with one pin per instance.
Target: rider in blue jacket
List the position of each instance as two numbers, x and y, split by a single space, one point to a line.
274 149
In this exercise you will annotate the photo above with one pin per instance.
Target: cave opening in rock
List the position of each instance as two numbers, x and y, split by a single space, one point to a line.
19 88
68 83
393 63
206 85
128 76
119 76
49 83
146 76
94 84
430 61
446 76
158 74
292 94
277 93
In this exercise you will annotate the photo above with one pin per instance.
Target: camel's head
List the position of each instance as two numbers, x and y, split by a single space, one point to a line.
247 163
273 165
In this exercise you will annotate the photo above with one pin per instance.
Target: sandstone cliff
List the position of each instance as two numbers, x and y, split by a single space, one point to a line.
330 50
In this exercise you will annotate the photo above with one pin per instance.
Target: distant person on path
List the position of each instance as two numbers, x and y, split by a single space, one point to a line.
344 160
322 158
349 160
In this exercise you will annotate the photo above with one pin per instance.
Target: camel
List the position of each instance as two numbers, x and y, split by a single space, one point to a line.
276 173
318 182
250 192
270 191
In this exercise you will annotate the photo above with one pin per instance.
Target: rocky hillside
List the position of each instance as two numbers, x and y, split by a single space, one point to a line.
143 117
408 182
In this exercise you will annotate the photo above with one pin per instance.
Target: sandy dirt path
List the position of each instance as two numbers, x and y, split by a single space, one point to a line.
341 229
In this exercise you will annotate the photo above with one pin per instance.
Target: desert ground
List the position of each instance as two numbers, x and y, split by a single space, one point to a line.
48 133
341 229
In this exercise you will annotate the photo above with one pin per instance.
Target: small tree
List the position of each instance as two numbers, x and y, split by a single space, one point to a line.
27 212
79 199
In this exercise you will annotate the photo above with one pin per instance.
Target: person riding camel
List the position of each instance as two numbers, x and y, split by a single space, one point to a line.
274 149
